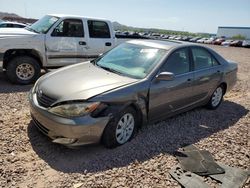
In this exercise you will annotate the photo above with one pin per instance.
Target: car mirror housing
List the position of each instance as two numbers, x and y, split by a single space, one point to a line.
167 76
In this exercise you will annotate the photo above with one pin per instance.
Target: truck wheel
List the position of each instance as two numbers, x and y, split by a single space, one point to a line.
23 70
120 129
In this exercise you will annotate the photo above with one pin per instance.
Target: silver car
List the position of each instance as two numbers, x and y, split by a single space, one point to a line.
107 99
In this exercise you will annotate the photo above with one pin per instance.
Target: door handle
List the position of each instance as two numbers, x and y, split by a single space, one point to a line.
189 80
108 44
82 43
218 71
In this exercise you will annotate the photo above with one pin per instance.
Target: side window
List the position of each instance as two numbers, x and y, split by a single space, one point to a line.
98 29
178 62
203 59
69 28
3 25
18 26
10 25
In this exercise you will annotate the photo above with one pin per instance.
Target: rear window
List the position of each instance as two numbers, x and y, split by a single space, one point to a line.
98 29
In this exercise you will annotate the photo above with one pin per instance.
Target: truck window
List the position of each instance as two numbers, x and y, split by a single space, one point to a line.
98 29
69 28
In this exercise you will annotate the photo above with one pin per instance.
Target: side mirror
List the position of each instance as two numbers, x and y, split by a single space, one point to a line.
167 76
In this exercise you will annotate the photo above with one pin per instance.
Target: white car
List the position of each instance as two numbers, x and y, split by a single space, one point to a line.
202 40
246 43
12 24
53 41
226 43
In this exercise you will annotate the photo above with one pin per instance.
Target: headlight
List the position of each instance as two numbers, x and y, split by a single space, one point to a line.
75 109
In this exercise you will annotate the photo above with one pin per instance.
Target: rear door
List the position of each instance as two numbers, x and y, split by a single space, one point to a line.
66 43
166 97
207 73
100 37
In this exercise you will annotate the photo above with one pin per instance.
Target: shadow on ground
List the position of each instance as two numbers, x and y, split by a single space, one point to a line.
7 87
163 137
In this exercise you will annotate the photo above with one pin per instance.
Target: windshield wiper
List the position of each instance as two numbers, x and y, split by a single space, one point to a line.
110 69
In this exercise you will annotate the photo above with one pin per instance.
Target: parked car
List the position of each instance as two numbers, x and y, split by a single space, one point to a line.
202 40
185 38
172 37
12 25
218 41
246 43
177 38
210 40
53 41
236 43
165 37
194 39
138 82
226 42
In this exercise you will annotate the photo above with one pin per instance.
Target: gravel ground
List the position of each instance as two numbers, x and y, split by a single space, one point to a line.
29 159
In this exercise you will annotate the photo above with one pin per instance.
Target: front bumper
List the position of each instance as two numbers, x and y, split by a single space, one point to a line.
81 130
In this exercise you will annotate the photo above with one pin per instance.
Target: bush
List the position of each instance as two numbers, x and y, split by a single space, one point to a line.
239 37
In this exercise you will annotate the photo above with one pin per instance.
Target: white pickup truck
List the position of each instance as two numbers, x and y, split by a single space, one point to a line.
53 41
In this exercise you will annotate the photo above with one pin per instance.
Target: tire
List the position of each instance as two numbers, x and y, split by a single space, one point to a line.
114 131
216 98
23 70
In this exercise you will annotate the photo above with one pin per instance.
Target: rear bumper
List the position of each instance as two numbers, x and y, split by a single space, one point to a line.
76 131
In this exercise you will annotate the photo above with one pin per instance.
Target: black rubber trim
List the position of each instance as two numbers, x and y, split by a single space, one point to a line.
71 56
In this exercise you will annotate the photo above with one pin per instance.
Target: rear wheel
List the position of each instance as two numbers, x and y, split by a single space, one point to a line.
121 129
216 98
23 70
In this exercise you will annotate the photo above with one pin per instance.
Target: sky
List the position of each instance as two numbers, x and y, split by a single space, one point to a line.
183 15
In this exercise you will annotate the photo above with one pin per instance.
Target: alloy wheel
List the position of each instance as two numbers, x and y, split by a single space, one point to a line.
25 71
217 96
125 127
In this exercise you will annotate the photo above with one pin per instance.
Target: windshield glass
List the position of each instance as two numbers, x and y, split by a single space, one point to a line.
131 60
43 25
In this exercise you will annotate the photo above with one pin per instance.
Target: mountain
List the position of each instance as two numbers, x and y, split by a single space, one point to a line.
6 14
15 18
117 26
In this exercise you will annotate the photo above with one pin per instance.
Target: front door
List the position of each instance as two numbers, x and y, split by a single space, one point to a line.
166 97
66 43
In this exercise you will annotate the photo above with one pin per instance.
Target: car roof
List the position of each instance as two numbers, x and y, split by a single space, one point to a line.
75 16
12 23
162 44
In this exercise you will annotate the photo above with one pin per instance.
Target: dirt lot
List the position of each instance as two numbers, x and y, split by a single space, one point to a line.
29 159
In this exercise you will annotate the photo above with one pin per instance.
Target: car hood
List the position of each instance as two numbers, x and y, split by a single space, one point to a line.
15 32
80 82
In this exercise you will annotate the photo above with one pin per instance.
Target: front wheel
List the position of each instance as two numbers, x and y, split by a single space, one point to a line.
216 98
23 70
121 129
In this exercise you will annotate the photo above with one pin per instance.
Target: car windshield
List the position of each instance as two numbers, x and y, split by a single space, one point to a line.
43 25
131 60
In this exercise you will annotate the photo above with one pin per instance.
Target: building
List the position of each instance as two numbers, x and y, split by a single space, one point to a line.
230 32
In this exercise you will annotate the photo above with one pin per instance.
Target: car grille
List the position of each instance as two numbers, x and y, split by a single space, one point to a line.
43 129
44 100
